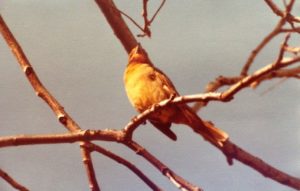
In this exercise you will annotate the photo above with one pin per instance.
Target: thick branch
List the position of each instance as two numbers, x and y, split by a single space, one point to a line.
242 83
230 150
117 23
105 135
233 151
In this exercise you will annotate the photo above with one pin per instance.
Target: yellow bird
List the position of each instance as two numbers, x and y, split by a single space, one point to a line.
146 85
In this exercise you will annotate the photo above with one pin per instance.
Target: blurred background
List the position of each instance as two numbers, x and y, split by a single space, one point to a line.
81 62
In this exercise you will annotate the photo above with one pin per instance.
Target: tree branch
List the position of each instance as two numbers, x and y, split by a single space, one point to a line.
42 92
233 151
11 181
178 181
243 81
284 18
120 28
130 166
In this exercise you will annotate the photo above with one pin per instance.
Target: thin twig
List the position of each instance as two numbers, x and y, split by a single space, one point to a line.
282 48
178 181
114 17
248 80
256 78
157 11
87 161
131 19
129 165
12 181
260 46
146 30
281 13
270 36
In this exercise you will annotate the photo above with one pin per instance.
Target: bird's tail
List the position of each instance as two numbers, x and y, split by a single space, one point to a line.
206 129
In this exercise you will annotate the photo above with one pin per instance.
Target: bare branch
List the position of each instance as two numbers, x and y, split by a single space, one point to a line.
282 48
114 18
248 80
11 181
281 13
178 181
146 29
87 161
230 150
260 46
87 135
37 85
233 151
157 11
131 19
285 17
133 168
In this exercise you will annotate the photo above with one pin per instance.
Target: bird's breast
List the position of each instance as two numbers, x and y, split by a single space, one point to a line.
143 86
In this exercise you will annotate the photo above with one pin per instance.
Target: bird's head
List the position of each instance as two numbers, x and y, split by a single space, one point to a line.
138 54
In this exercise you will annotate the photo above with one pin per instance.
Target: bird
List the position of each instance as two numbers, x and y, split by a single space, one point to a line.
146 86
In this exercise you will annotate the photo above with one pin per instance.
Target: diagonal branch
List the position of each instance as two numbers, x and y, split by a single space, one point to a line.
270 36
133 168
242 82
233 151
178 181
230 150
88 163
115 19
12 181
42 92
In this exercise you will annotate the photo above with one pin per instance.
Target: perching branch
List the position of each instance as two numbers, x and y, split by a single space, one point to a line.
63 117
277 69
243 80
105 135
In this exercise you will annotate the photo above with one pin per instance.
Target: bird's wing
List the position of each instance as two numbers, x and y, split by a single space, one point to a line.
166 82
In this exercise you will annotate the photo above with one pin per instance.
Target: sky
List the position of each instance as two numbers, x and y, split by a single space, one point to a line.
81 62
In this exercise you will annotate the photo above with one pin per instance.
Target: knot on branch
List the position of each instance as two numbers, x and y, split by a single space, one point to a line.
62 119
28 70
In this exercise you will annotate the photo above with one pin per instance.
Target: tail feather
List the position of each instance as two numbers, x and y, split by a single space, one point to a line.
206 129
165 129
